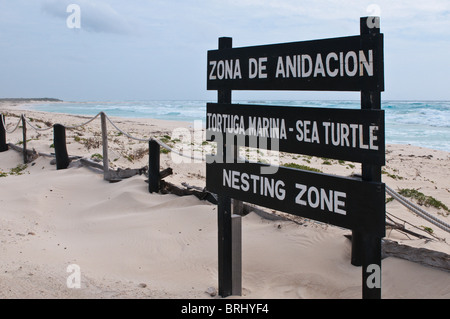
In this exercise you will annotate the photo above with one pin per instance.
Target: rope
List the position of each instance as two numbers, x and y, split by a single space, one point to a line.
36 128
125 133
15 128
164 145
167 147
83 124
413 206
419 211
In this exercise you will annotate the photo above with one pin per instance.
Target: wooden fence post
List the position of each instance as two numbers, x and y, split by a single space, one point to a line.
24 135
3 145
105 147
153 167
59 142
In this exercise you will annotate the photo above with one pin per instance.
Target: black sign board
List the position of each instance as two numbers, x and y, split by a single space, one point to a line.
346 134
353 63
345 202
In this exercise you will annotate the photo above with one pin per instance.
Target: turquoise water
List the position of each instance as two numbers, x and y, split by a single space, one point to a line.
419 123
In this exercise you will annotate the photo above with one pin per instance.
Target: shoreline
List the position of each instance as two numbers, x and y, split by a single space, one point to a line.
396 133
132 244
14 108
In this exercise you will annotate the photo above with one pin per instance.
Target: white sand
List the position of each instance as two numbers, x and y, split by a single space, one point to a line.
129 243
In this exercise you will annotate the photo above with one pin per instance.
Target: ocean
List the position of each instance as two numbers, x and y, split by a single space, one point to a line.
419 123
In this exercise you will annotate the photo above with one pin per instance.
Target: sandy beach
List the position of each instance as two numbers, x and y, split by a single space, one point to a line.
128 243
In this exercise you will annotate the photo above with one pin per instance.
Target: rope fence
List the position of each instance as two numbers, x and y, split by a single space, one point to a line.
63 160
154 175
418 210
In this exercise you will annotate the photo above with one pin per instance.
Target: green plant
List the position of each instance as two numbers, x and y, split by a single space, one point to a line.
428 229
391 175
18 170
389 199
97 156
165 139
423 199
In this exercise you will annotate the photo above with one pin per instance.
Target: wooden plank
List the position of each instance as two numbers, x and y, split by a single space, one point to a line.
423 256
420 255
31 154
343 134
336 64
341 201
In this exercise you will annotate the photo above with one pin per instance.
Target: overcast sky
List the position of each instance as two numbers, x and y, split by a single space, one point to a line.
156 49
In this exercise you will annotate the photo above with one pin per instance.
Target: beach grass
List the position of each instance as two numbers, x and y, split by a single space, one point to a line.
423 199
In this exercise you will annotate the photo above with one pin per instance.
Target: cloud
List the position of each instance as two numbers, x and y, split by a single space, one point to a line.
432 12
96 16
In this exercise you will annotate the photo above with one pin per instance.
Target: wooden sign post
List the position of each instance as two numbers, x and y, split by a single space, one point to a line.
229 225
340 64
366 248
